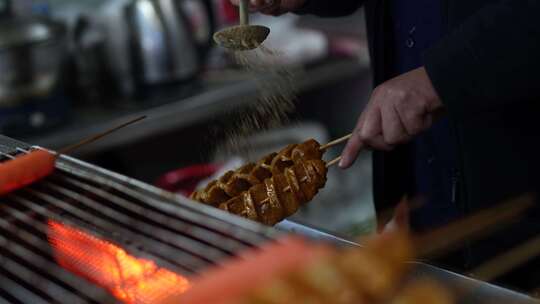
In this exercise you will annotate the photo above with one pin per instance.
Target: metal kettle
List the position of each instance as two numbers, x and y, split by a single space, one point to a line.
152 42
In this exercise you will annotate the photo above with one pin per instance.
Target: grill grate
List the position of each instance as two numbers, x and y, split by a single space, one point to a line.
148 223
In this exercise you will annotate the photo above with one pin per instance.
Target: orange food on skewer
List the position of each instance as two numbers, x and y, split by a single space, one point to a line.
234 279
25 170
424 291
296 271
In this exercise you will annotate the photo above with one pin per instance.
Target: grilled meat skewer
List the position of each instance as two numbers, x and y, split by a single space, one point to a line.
233 183
280 195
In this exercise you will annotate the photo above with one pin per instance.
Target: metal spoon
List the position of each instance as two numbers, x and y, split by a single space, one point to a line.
244 36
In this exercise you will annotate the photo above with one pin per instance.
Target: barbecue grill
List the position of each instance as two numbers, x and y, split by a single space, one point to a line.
87 235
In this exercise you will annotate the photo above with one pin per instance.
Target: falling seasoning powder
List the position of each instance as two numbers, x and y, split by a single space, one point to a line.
276 99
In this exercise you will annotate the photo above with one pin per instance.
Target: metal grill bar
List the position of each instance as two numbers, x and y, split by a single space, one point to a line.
39 283
180 228
12 292
149 223
205 217
112 222
39 254
123 236
150 229
46 273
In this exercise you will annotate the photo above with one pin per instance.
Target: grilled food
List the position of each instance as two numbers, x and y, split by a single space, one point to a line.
280 195
25 170
424 291
234 183
293 271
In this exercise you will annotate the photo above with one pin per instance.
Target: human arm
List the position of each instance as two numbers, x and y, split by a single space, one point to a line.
490 62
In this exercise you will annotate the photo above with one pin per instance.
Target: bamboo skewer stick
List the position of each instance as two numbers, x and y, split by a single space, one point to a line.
97 137
442 239
333 162
336 142
507 261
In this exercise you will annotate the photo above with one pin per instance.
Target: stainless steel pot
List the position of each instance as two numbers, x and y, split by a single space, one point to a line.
31 54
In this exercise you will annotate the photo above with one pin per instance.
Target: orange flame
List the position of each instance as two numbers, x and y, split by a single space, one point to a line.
130 279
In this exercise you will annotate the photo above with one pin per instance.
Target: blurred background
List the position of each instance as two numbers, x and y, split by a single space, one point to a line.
70 69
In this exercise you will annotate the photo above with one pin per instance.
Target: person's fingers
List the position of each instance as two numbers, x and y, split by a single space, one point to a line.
429 119
372 123
371 132
412 117
393 130
351 151
353 147
378 143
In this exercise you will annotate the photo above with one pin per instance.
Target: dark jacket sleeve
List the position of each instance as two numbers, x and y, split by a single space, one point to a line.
491 60
330 8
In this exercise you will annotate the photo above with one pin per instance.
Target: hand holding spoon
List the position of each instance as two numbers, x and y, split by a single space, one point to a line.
244 36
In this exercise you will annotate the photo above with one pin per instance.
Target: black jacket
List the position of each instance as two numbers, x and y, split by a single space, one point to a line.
487 72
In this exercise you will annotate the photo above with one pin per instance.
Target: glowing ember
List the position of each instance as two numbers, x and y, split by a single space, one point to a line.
128 278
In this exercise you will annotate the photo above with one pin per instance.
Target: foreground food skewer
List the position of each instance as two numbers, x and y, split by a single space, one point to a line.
24 170
424 292
508 261
438 241
294 271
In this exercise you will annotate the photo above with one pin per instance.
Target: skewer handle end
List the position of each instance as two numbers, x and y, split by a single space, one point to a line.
336 142
333 162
